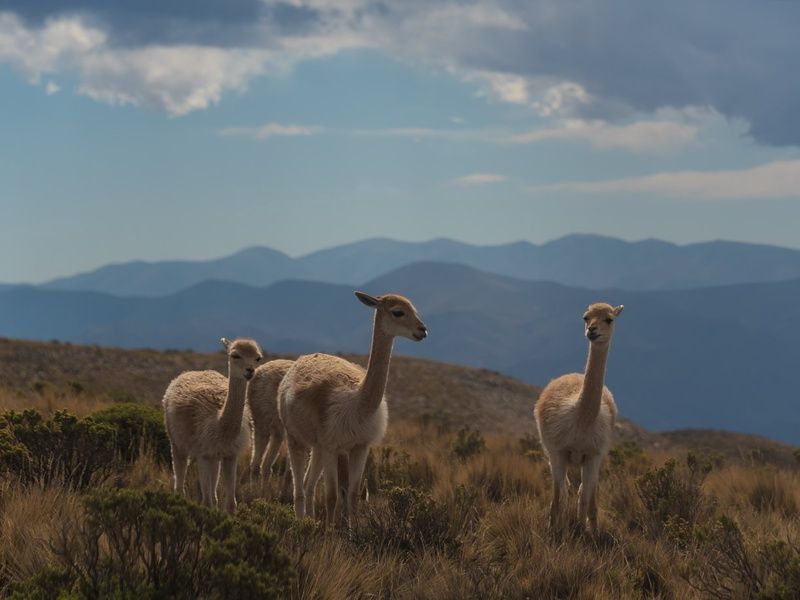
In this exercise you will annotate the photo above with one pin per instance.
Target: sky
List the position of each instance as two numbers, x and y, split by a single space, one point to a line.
191 128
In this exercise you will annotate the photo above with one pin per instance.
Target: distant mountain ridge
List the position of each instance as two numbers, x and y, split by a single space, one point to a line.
718 357
588 261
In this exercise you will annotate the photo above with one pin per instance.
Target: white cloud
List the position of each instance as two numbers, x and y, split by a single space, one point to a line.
55 45
479 179
177 79
643 135
779 179
174 78
52 88
640 136
269 130
658 135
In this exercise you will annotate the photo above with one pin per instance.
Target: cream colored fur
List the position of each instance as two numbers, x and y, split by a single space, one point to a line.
575 415
262 399
207 421
333 407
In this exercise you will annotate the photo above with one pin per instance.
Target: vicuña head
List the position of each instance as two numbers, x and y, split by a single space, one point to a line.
395 315
243 357
599 322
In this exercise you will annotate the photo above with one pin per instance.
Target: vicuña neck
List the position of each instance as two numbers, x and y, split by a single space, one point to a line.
374 384
230 421
592 390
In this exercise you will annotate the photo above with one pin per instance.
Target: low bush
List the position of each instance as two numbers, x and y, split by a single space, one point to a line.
409 521
671 492
138 428
467 443
133 544
63 450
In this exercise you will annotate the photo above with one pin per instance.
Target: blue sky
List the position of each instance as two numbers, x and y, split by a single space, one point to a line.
178 129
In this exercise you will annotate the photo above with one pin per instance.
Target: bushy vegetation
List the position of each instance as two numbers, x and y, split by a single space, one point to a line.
63 450
134 544
68 451
444 514
138 428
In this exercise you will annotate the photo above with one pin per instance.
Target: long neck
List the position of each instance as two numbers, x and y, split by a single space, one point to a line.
374 384
230 420
592 390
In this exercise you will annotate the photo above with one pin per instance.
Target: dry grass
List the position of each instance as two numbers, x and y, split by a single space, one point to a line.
440 526
482 534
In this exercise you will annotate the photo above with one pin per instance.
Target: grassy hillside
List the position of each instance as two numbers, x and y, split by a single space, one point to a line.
451 512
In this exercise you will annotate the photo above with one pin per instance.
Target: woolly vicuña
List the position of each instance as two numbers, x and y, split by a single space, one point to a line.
332 407
207 422
262 399
575 415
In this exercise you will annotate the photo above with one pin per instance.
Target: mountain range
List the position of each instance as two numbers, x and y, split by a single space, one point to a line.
587 261
720 356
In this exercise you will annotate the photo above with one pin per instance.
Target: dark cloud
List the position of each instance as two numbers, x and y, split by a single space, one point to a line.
738 57
224 23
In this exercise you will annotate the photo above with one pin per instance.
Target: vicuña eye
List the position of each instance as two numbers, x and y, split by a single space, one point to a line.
258 358
398 313
235 356
609 321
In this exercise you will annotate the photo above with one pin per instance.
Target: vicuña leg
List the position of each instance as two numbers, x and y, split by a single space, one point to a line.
229 482
298 456
208 471
558 471
260 439
330 466
275 441
357 460
587 504
311 478
179 465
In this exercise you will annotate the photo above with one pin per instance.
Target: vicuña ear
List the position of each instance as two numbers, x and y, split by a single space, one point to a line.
618 309
367 299
225 342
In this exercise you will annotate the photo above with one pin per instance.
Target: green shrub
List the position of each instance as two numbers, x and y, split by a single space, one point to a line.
467 443
122 397
408 522
63 451
670 493
135 544
138 428
628 456
388 468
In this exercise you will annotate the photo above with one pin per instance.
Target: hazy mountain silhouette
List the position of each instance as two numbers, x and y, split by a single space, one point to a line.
588 261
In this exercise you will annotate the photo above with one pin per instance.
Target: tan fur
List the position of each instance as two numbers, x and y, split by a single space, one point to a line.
262 399
575 415
207 421
333 408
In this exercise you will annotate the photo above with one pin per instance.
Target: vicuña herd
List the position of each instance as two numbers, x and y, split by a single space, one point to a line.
330 411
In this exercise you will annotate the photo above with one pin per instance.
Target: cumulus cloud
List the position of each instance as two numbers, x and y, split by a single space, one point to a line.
175 78
269 130
590 60
479 179
778 179
52 88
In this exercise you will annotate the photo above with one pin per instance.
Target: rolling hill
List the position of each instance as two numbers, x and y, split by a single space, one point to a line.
441 393
713 358
588 261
